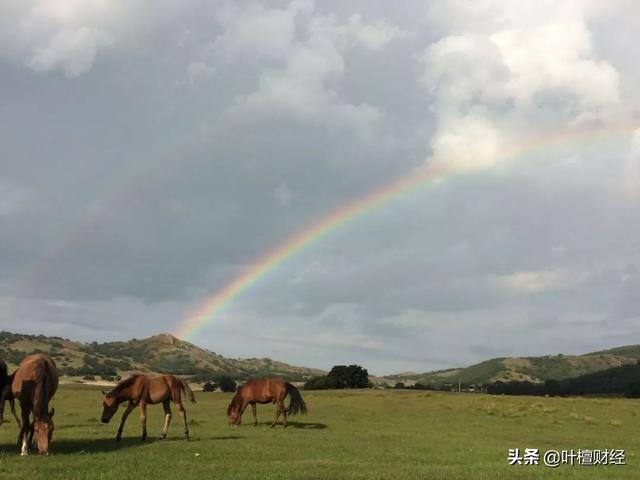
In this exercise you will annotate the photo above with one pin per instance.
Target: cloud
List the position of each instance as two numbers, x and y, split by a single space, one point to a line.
541 281
68 35
300 84
126 201
199 71
256 30
283 194
13 200
503 69
72 50
374 36
51 34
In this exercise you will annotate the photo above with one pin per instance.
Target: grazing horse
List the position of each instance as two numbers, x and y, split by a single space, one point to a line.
34 384
146 390
265 390
6 393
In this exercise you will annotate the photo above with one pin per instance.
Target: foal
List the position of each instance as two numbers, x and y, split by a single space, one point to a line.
34 384
265 390
146 390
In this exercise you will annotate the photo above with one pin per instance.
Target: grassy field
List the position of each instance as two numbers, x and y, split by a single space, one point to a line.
360 434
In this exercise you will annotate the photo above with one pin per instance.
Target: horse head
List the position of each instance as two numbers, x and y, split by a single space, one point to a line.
43 431
109 407
233 413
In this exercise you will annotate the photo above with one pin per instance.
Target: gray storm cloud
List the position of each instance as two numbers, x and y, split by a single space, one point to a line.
148 158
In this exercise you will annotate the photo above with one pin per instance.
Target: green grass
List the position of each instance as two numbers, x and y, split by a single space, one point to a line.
357 434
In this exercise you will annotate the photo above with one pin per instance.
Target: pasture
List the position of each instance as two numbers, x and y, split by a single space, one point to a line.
347 435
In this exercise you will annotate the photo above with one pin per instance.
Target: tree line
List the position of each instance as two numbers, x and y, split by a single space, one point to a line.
624 381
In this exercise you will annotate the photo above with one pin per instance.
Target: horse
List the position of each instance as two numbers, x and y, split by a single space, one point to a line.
34 384
263 391
6 394
143 390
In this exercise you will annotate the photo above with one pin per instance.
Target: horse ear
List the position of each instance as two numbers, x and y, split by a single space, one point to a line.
103 392
52 412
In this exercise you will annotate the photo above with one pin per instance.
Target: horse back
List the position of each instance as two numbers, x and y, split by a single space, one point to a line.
158 387
263 390
33 371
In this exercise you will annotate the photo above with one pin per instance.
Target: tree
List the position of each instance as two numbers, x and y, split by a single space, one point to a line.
341 376
352 376
209 387
321 383
227 384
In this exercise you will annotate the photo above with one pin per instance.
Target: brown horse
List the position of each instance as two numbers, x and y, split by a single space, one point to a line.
6 393
34 384
146 390
265 390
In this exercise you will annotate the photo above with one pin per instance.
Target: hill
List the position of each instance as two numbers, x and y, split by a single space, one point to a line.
525 369
159 353
624 380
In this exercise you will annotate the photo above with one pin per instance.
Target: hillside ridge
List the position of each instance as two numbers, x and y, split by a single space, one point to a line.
160 353
530 369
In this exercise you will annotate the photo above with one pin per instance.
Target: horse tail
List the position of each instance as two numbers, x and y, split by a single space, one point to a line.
184 387
296 403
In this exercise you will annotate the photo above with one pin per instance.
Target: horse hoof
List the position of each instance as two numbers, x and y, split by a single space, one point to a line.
118 439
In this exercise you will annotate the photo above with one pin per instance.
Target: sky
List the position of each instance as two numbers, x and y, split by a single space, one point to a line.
150 157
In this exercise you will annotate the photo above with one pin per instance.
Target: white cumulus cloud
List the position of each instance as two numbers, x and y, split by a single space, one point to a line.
503 66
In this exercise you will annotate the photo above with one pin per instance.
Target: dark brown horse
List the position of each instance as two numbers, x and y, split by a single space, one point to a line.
34 384
6 393
266 390
146 390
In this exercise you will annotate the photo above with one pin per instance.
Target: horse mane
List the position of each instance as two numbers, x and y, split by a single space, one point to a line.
127 382
41 400
235 400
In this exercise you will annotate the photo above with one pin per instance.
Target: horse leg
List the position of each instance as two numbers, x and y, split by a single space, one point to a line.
244 407
255 414
143 419
5 394
31 432
183 412
24 431
284 412
167 418
12 404
126 413
275 420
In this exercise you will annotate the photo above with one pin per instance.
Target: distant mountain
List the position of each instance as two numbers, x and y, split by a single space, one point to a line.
530 369
159 353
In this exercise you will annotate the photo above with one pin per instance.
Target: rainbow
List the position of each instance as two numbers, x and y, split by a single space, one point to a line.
215 303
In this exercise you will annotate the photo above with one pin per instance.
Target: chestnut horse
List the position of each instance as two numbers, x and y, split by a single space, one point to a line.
266 390
34 384
146 390
6 393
